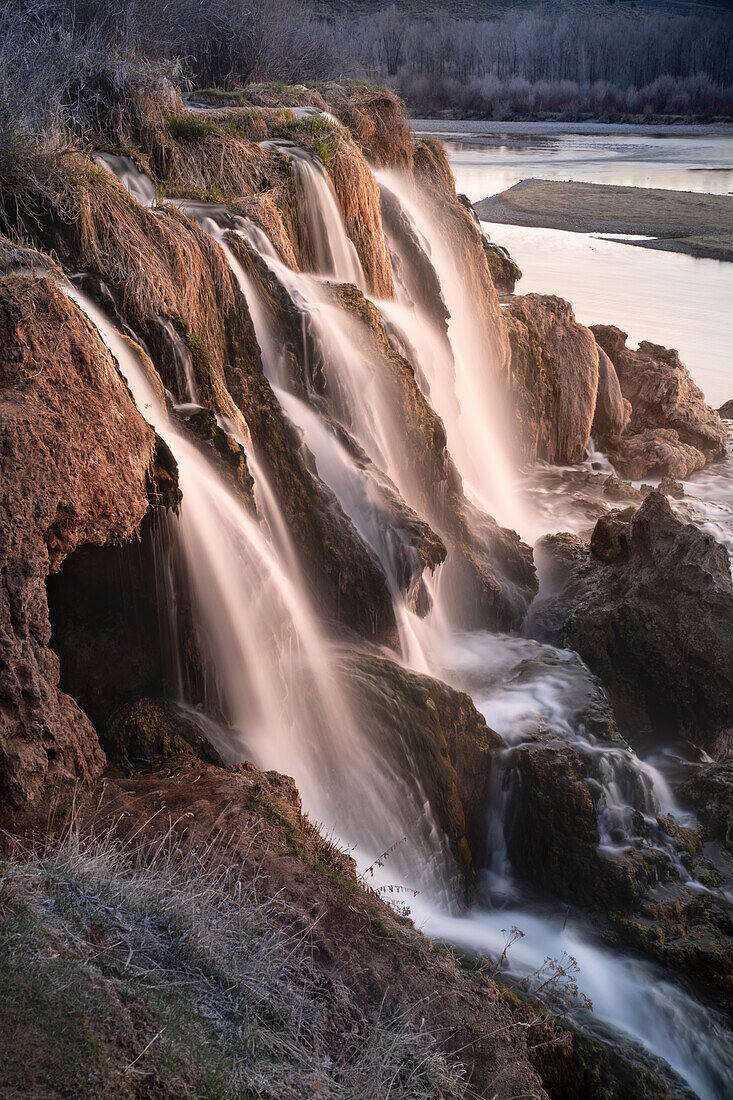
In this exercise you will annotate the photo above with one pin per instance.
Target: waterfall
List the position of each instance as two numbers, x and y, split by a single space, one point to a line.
275 674
463 392
332 253
276 678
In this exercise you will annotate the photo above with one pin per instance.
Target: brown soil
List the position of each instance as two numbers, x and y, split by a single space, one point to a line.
353 935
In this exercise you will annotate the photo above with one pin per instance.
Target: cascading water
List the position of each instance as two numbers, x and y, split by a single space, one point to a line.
275 679
332 253
463 392
140 186
518 684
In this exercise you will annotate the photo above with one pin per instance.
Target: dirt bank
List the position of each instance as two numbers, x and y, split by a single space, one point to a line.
680 221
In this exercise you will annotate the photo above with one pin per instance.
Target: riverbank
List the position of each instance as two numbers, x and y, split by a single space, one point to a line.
479 130
678 221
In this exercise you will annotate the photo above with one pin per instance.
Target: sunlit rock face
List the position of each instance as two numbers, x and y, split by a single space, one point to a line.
75 455
671 431
555 378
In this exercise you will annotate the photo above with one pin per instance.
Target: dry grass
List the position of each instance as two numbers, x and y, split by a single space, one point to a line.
278 94
161 265
17 255
212 153
266 209
358 197
375 118
144 962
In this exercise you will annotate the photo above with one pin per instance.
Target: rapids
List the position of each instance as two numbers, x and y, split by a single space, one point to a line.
275 694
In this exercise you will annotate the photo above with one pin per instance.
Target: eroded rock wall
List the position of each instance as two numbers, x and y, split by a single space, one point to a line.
75 455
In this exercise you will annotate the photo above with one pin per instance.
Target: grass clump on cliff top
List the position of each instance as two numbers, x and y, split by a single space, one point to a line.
316 132
189 127
128 963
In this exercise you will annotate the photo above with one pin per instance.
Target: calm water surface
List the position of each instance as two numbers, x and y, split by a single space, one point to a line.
668 298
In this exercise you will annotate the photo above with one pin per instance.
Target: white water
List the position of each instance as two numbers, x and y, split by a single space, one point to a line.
629 996
334 254
273 666
465 398
185 375
140 186
516 683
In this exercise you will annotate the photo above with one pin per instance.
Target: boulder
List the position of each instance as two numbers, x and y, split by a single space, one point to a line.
649 607
555 377
710 790
726 410
146 734
504 271
434 736
552 826
75 455
671 430
654 452
613 411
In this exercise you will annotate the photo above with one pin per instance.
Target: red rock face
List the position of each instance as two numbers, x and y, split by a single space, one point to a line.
672 431
74 453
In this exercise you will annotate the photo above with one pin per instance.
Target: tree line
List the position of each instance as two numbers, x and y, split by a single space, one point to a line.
522 64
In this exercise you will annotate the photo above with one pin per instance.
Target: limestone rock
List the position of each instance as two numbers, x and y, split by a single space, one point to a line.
149 733
434 735
710 789
555 377
75 454
613 411
671 430
504 271
650 610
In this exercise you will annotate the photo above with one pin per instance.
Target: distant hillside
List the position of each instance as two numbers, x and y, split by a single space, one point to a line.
490 9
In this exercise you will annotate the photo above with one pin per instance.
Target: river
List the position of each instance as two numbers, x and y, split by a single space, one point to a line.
668 298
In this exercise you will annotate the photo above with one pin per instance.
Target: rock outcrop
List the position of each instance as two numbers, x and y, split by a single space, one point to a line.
353 936
434 735
504 271
75 456
671 431
710 790
555 378
613 410
147 734
650 608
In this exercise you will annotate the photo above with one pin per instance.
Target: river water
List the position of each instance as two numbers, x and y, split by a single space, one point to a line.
669 298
